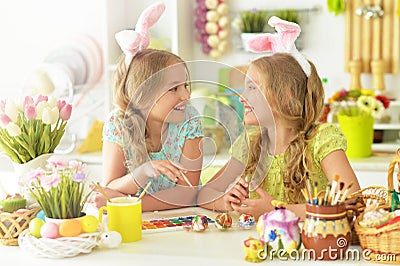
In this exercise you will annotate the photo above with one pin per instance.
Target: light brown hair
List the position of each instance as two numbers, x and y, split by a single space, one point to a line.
299 102
136 89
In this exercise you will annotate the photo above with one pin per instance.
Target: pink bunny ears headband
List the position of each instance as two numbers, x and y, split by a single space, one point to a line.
280 42
132 41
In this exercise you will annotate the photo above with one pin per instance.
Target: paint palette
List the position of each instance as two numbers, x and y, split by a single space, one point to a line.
169 224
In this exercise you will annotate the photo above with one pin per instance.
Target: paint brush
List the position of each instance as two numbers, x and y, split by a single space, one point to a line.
328 188
144 191
101 190
309 188
346 192
305 195
333 188
315 193
337 197
185 178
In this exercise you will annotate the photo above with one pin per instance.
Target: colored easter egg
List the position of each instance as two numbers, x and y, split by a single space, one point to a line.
34 227
89 223
49 230
71 227
41 215
223 221
199 223
246 221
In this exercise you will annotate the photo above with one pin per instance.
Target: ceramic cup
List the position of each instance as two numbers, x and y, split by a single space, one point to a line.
326 232
124 215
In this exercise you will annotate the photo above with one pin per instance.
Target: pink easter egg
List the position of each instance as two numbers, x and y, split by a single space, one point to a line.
49 230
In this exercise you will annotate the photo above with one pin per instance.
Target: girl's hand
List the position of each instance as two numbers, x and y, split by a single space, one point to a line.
238 193
158 167
98 200
255 207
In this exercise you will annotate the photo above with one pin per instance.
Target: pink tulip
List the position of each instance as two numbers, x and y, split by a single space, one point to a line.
4 120
2 106
65 112
41 98
28 101
30 111
61 104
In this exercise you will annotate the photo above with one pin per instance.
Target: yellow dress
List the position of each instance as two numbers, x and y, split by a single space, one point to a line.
329 138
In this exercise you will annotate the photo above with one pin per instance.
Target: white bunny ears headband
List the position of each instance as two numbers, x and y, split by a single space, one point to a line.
132 41
280 42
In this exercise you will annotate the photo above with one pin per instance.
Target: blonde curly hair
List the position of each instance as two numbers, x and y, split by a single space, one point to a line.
299 102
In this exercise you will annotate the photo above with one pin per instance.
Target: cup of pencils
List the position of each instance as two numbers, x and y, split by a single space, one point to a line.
326 232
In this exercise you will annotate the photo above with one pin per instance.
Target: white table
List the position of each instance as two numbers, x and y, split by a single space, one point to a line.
212 247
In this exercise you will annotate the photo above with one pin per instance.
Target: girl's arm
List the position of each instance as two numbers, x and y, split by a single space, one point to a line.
213 195
182 195
113 162
336 162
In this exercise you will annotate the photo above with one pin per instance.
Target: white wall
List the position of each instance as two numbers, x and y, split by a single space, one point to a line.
31 29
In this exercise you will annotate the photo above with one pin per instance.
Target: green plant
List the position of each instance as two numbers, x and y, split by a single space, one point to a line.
290 15
253 21
60 188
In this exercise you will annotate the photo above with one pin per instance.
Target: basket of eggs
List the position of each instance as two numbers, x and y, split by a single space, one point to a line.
61 238
378 227
14 218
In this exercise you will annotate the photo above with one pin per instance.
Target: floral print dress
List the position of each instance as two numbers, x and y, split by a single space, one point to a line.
172 147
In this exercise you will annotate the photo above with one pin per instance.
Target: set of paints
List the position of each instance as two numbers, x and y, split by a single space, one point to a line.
170 224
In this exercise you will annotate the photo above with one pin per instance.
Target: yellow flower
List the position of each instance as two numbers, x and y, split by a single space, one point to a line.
366 103
377 109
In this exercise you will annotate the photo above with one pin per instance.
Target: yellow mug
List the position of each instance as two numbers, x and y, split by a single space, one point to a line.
124 216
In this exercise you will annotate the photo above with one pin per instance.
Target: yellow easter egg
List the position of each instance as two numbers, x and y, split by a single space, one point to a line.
89 223
71 227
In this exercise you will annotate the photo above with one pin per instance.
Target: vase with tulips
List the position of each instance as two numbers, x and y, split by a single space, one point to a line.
32 126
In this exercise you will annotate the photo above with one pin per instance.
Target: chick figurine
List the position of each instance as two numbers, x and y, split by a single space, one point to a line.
254 249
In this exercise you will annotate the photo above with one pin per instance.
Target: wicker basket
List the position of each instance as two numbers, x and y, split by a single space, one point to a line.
62 247
12 224
382 244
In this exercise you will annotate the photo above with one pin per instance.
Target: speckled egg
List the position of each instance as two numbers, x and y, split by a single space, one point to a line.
246 221
49 230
